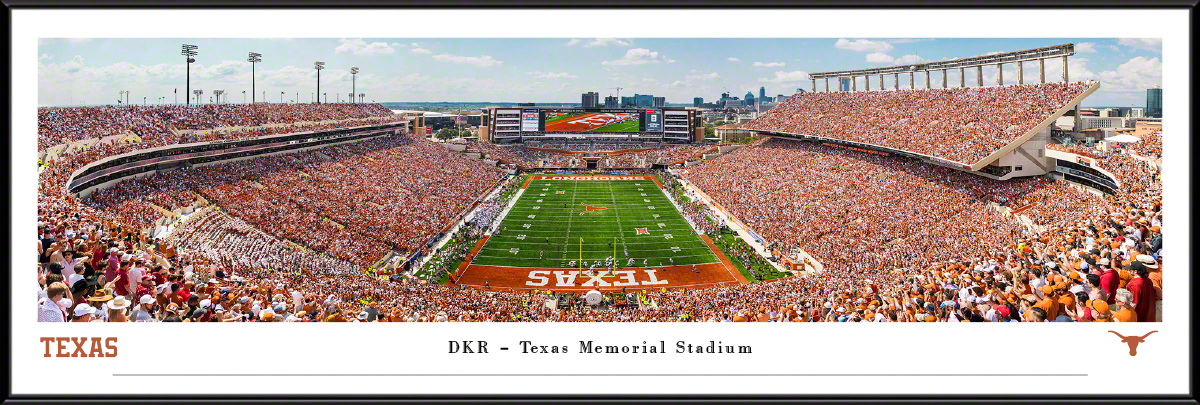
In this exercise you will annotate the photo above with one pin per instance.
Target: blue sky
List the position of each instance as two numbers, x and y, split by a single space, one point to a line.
93 71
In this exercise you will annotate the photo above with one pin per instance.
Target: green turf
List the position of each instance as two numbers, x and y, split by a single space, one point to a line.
627 126
562 117
626 209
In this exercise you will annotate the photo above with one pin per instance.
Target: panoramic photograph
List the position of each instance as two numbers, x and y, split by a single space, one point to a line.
622 180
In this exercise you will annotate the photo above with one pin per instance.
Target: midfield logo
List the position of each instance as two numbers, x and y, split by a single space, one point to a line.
560 192
588 208
642 231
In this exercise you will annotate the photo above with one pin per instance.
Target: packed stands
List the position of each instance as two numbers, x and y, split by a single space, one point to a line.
957 124
287 238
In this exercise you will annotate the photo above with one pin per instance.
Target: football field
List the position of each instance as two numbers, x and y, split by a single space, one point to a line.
562 225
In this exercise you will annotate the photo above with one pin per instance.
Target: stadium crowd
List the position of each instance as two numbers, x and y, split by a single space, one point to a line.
64 125
288 238
958 124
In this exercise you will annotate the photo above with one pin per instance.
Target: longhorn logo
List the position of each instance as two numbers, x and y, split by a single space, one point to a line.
589 208
1133 341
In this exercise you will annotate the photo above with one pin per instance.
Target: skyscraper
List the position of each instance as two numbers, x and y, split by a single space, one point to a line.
1154 102
844 84
591 99
660 101
697 101
611 102
644 100
762 93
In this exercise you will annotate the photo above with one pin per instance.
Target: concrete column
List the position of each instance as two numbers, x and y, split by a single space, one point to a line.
979 77
853 83
962 77
1065 79
867 83
881 81
1043 63
895 81
814 88
1000 71
910 81
927 79
826 84
943 78
1021 72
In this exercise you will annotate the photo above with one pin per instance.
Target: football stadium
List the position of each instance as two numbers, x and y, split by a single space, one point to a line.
951 203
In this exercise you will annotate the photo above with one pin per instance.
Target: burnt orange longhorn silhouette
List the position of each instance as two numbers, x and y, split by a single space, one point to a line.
589 208
1133 341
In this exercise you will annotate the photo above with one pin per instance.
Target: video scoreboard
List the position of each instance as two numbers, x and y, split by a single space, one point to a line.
571 122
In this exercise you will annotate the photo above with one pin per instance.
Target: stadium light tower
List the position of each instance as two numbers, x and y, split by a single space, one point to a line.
318 65
189 51
281 97
253 59
218 93
244 96
326 98
197 92
353 81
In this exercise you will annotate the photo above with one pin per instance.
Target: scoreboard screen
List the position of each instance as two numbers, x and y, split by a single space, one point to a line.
580 120
654 121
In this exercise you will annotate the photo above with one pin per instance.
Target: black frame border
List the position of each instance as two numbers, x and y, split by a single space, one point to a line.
127 399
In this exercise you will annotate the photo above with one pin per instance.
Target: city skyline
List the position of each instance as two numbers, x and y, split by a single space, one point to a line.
94 71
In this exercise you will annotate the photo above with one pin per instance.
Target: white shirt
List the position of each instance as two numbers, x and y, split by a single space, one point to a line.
48 311
1036 284
135 277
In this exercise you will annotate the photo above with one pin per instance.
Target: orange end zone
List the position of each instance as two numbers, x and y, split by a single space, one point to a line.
629 279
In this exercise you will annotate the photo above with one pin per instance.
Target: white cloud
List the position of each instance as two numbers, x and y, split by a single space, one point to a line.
361 47
1135 75
1149 44
1114 48
422 51
670 60
734 60
220 70
637 56
552 75
709 76
908 60
768 64
880 57
398 45
45 57
605 42
863 45
1085 47
573 42
993 53
74 64
787 77
481 61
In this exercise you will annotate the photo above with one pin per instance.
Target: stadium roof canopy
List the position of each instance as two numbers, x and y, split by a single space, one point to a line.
1007 57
